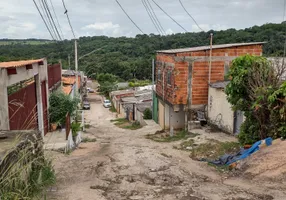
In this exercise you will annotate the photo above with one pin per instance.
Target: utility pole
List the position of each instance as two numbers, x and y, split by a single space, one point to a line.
69 60
153 82
210 69
76 65
210 63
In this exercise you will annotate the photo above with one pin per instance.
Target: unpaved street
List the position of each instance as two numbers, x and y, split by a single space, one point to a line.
123 164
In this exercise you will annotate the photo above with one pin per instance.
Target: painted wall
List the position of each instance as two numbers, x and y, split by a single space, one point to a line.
219 110
177 119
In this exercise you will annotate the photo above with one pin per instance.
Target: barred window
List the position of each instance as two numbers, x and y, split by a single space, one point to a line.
169 75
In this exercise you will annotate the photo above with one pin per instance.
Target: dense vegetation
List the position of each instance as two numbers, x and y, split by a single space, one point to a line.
255 88
130 58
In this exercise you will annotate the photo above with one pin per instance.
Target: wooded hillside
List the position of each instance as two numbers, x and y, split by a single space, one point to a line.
131 57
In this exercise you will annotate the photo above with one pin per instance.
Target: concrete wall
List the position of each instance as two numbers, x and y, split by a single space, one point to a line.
219 110
161 114
177 119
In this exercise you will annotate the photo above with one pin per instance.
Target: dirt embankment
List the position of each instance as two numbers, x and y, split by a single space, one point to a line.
269 163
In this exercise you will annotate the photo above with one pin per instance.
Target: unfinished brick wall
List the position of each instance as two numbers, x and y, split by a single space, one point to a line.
177 92
163 89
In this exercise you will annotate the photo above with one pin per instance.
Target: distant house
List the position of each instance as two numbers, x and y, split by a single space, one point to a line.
182 77
24 92
116 96
133 106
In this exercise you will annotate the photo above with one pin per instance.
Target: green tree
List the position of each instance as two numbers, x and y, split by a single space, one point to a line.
254 82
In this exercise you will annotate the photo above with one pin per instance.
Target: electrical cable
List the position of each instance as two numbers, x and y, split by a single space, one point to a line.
129 17
42 4
190 15
156 18
57 19
169 16
44 20
151 16
66 13
52 19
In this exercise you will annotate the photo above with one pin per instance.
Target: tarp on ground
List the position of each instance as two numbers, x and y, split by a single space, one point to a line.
228 159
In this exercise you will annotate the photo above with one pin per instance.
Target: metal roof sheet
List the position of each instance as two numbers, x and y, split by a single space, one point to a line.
20 63
202 48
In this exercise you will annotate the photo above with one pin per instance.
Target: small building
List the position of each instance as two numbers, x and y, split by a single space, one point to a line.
24 92
220 112
182 79
116 96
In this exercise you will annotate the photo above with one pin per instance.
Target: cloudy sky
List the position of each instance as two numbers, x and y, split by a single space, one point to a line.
20 18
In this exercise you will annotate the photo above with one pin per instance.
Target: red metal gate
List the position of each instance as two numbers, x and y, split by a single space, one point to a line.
23 109
45 107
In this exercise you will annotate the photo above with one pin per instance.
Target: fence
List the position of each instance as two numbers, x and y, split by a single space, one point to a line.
54 74
68 125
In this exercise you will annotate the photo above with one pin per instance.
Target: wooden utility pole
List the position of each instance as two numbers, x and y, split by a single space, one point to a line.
210 62
76 65
69 60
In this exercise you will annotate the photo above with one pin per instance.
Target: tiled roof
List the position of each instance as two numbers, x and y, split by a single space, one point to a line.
20 63
201 48
70 80
67 89
219 85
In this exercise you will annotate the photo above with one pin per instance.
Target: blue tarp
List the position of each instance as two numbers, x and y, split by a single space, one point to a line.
242 154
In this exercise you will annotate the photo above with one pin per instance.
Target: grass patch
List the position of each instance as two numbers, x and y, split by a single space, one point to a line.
133 126
214 149
86 140
87 126
112 109
125 124
163 137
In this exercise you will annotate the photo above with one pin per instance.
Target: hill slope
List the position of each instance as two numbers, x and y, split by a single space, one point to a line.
131 57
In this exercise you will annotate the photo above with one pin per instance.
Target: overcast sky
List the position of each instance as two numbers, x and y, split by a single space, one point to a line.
20 18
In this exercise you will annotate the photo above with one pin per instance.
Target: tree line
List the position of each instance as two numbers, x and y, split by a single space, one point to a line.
130 58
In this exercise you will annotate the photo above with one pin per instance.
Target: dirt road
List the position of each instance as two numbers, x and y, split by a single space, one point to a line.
123 164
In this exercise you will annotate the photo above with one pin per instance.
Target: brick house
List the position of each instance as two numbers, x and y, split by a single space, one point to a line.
182 77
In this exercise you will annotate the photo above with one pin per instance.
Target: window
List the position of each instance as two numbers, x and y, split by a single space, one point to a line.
159 75
169 75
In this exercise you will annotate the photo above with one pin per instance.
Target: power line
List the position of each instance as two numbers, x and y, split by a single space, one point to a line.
56 18
190 15
170 16
44 20
42 4
151 16
66 13
52 19
129 16
156 18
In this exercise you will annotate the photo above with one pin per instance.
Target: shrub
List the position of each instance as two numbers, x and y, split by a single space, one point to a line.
60 105
147 114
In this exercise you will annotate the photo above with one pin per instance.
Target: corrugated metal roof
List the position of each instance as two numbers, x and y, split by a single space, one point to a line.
20 63
219 85
202 48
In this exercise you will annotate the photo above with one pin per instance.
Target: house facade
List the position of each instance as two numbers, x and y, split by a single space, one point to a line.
24 93
183 76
